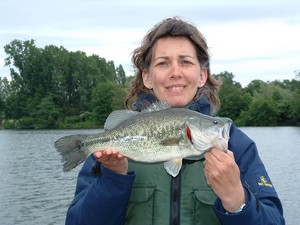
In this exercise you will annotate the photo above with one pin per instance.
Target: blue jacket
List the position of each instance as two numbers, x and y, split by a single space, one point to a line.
103 199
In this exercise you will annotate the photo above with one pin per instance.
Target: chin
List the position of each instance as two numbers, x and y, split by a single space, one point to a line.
177 104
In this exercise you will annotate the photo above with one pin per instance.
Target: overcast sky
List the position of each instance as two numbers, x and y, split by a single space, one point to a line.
253 39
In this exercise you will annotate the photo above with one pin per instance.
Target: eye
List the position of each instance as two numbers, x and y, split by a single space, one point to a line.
183 62
162 63
215 122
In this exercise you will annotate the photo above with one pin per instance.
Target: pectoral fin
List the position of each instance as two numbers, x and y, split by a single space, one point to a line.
173 166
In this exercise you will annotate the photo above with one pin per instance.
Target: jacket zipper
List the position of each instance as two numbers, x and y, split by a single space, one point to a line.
175 200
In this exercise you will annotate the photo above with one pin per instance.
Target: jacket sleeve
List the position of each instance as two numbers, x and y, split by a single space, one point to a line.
100 200
263 206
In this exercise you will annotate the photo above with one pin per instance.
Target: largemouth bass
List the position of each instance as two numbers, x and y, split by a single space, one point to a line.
157 134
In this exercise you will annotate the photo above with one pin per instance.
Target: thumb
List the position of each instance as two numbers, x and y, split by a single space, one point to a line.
220 143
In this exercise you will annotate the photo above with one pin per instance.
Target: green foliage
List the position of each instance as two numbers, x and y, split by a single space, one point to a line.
51 87
120 76
24 123
119 97
102 101
106 98
255 86
233 98
270 106
46 114
260 103
51 83
16 106
8 124
2 104
295 103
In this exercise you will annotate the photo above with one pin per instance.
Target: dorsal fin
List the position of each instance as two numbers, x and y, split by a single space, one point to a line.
117 117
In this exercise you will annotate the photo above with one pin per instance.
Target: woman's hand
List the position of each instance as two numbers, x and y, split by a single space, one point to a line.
113 160
223 176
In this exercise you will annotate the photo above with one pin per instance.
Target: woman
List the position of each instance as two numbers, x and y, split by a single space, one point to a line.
223 188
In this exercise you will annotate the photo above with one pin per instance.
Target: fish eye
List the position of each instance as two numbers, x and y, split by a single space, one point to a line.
215 122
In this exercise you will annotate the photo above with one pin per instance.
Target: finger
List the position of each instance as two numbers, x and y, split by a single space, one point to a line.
230 153
107 151
209 158
103 156
120 156
111 151
115 153
219 154
98 154
108 155
112 155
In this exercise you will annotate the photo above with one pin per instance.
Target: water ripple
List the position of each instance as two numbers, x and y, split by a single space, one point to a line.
35 190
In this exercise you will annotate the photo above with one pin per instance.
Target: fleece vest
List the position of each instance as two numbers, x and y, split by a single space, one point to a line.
155 201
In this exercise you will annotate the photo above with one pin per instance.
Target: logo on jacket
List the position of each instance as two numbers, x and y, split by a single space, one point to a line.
264 182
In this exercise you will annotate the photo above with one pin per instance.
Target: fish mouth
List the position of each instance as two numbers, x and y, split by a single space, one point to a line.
226 129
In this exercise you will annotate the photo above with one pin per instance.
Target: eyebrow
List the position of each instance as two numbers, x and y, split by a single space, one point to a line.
180 56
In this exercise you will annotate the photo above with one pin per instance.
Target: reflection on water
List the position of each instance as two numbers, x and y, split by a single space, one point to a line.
35 190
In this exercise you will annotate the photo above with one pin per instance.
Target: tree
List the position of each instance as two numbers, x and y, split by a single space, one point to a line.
295 103
49 85
232 97
118 97
297 74
270 106
255 86
46 115
120 76
55 77
15 106
23 60
102 101
4 94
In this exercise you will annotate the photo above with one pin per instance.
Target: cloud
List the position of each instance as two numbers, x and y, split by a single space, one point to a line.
252 39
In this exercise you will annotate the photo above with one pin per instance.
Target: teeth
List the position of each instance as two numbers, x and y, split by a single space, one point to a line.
176 88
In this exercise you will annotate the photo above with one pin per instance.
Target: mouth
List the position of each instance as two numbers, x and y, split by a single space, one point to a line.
226 130
176 87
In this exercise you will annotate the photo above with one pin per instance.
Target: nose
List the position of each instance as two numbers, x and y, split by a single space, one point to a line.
176 71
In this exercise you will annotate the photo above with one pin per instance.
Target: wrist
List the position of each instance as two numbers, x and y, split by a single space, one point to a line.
240 209
234 203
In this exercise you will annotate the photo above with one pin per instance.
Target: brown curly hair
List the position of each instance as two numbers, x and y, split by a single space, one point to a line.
142 56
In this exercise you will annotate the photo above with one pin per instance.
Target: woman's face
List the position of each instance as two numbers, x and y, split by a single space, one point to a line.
174 74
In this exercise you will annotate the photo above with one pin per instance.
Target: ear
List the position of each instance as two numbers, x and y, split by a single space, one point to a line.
146 79
203 77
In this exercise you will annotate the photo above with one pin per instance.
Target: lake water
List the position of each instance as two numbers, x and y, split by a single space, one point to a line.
34 190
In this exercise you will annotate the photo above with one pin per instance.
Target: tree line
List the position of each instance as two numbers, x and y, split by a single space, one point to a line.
52 87
275 103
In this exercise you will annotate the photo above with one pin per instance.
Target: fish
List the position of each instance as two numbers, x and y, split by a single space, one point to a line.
158 134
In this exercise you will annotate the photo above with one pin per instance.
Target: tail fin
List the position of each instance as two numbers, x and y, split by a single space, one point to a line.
72 150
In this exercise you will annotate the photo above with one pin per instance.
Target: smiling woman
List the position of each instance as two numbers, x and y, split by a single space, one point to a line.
172 65
174 73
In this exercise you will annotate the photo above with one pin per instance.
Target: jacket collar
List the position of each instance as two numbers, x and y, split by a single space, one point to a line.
201 105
